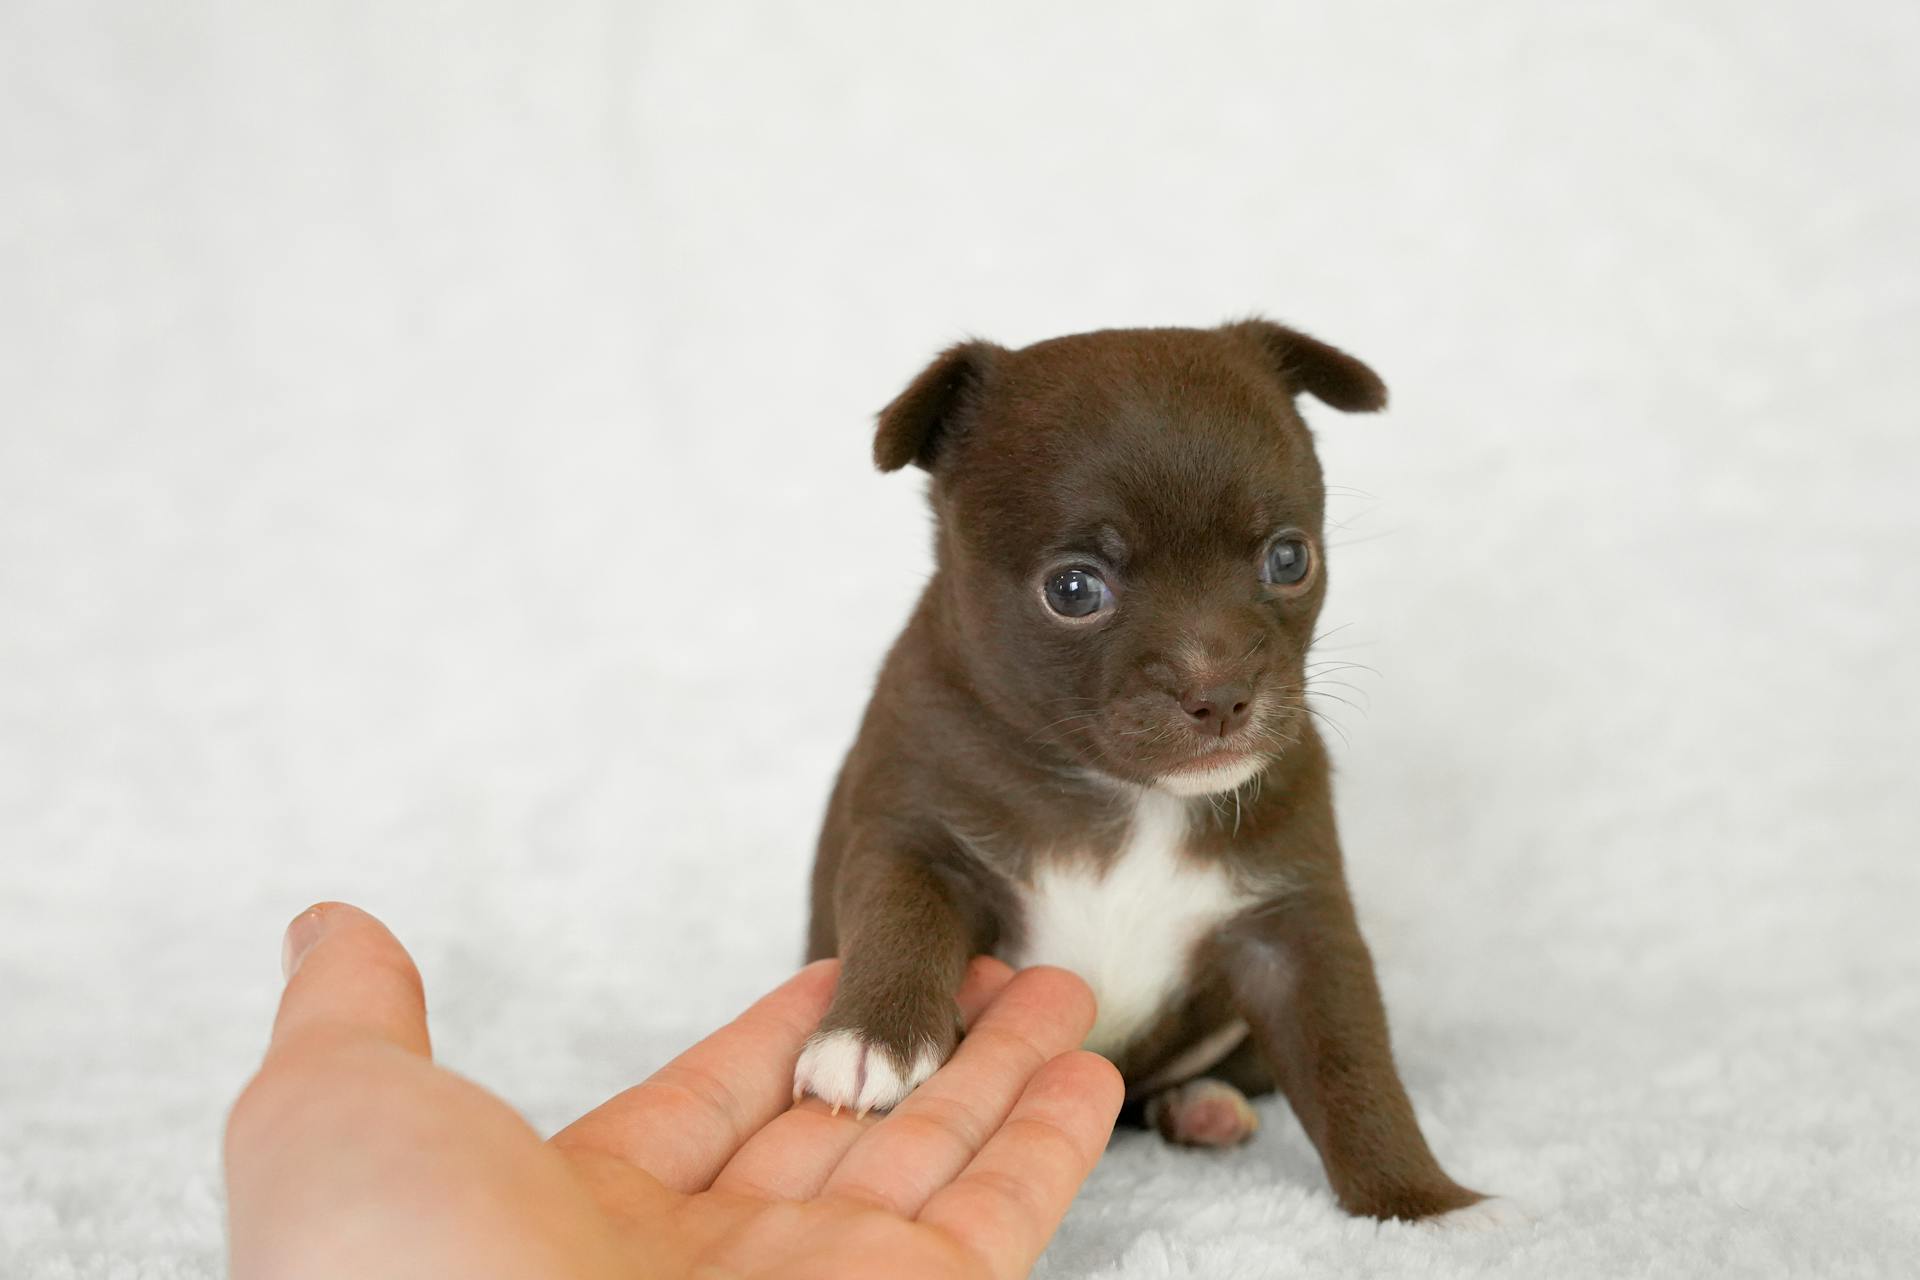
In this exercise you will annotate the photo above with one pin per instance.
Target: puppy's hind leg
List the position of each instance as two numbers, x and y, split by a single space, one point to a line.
1213 1110
1304 981
904 938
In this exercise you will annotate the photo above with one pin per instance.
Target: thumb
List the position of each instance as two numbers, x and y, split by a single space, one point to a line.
348 978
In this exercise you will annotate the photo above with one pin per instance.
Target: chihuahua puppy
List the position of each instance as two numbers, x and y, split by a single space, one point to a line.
1091 748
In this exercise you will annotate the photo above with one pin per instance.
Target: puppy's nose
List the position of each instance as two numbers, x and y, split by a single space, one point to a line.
1218 711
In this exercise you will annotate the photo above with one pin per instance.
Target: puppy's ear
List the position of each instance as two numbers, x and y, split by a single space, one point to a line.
913 428
1310 365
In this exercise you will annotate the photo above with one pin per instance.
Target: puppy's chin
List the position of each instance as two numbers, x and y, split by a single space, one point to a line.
1212 779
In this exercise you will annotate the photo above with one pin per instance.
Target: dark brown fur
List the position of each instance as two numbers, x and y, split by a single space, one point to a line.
996 733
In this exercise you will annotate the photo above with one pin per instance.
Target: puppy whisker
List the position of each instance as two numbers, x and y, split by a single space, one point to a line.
1322 693
1332 665
1330 631
1331 723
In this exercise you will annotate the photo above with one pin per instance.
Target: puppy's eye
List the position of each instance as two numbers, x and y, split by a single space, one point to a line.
1076 593
1288 559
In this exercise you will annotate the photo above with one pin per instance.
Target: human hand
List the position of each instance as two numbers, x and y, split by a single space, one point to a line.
350 1153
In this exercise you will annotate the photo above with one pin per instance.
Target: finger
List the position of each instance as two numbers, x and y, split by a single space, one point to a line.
687 1119
350 1139
348 979
1004 1208
793 1156
931 1136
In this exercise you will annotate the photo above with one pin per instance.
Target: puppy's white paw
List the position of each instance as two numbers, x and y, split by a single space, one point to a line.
844 1070
1495 1213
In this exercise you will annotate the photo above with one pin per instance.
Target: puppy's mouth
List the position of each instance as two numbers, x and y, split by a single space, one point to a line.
1143 746
1224 758
1213 772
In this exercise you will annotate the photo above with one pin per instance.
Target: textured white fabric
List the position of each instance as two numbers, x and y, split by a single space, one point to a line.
433 473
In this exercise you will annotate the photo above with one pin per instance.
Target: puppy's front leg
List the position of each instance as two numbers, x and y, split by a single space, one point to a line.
1304 981
904 944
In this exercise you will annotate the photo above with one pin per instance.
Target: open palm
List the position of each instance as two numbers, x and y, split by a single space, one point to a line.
351 1153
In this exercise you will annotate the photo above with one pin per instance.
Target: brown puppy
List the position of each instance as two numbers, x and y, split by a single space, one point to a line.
1090 747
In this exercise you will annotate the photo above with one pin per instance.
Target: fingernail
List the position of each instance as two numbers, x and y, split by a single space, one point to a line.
301 935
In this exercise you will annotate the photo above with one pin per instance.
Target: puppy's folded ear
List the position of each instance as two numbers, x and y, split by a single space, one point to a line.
918 422
1310 365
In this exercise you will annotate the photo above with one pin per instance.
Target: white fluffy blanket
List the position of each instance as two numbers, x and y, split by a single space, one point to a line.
432 473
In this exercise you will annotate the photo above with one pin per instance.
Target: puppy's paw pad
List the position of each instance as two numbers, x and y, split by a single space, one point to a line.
844 1069
1495 1213
1203 1113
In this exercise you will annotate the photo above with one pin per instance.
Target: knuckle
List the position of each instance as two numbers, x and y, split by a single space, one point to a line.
944 1119
1010 1044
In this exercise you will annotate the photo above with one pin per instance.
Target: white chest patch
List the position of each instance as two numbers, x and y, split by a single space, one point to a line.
1129 929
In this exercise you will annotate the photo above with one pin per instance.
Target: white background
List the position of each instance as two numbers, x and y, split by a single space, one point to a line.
433 473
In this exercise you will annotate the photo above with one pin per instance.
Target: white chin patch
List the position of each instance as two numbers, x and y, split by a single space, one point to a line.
1210 782
843 1070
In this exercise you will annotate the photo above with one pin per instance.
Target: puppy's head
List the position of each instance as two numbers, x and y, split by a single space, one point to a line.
1129 537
